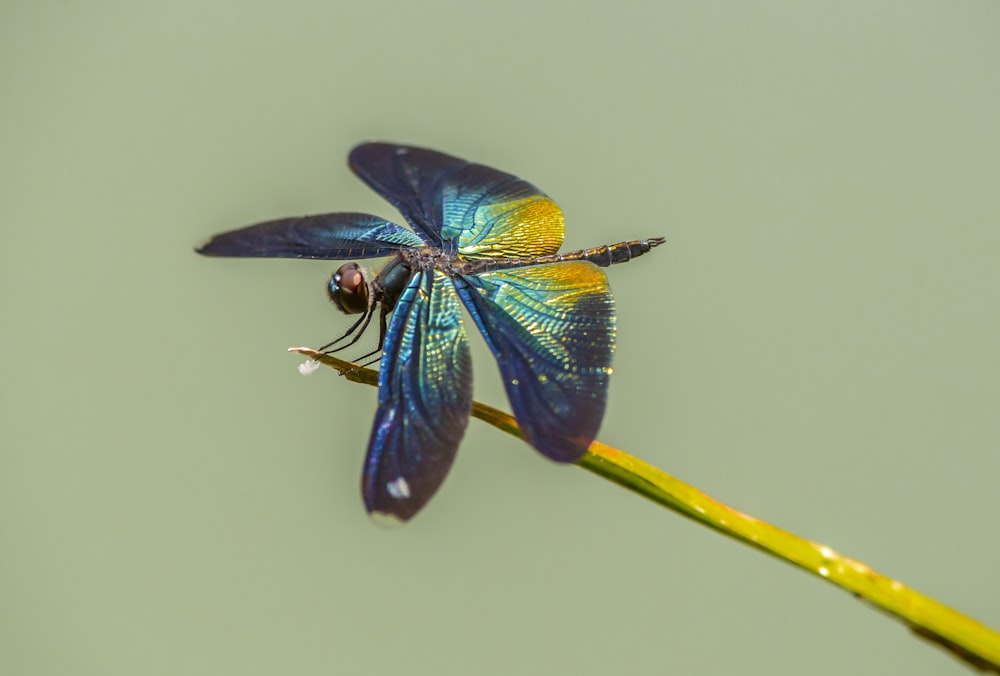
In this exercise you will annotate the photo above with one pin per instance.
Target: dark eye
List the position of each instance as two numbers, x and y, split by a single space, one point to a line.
348 290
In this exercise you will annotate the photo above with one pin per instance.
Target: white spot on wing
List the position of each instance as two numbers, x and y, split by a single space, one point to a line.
386 520
398 488
308 367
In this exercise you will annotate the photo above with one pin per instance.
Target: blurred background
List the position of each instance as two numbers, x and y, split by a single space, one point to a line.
816 345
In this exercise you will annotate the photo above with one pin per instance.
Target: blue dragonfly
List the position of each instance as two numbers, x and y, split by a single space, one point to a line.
481 239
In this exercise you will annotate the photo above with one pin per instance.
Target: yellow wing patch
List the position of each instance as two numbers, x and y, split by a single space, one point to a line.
523 228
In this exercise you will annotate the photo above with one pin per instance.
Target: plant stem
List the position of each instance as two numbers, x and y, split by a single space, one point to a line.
967 639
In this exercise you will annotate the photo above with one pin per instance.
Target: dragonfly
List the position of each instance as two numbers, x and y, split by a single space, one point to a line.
481 239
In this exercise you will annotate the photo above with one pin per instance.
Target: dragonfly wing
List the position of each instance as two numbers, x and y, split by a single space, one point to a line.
407 178
424 399
552 330
328 236
459 206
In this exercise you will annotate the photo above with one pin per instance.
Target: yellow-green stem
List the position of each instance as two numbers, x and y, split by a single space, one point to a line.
967 639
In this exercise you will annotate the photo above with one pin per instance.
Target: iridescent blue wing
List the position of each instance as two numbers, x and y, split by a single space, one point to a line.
328 236
459 206
424 399
552 330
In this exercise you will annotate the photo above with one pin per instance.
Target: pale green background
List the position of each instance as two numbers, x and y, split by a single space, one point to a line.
817 344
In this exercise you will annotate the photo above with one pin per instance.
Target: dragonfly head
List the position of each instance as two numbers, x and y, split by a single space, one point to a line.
348 289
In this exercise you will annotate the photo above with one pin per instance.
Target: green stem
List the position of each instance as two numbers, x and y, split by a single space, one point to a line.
967 639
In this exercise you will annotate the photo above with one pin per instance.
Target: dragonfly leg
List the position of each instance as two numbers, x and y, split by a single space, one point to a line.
363 322
381 339
374 355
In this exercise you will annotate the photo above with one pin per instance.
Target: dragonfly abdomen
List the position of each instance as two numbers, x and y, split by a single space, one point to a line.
602 256
609 254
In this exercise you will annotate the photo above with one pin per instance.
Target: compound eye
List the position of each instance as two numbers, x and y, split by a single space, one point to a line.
348 289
